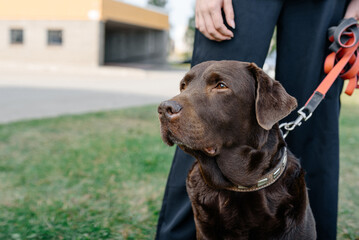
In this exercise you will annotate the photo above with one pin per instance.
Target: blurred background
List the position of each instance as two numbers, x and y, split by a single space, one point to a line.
81 155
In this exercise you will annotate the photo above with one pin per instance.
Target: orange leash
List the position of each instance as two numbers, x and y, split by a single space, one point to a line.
343 62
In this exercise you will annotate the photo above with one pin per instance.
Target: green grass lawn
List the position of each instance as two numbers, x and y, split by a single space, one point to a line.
102 175
348 220
95 176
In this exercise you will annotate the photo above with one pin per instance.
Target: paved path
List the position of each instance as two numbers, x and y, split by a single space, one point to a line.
30 92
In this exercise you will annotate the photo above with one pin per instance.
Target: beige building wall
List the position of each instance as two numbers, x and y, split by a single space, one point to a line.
82 42
84 24
49 9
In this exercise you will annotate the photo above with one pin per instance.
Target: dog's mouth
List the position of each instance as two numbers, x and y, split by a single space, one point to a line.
211 151
170 138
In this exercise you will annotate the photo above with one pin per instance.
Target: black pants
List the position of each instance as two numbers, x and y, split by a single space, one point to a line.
301 49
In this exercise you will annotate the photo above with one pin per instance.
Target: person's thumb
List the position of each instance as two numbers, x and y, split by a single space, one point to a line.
229 13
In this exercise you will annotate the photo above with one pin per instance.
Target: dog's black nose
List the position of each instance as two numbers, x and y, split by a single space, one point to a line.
170 109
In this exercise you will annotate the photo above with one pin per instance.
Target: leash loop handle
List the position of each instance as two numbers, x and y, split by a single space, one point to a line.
345 38
340 34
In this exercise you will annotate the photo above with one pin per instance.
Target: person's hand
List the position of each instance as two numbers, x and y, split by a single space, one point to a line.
209 19
353 10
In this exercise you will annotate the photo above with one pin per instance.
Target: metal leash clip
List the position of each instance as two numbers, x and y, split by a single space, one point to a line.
304 113
290 126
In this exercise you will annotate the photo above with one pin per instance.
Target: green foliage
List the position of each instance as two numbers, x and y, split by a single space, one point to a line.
158 3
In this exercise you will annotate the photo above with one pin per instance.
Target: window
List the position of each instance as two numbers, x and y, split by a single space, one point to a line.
54 37
16 36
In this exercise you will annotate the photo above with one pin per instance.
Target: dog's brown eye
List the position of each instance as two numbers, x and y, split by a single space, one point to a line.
183 86
221 85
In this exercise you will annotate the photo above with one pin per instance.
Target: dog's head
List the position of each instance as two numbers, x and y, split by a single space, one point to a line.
223 104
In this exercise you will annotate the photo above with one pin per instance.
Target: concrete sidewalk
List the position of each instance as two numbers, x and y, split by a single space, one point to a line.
30 92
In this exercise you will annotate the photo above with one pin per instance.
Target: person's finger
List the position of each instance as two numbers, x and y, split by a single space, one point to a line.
200 24
202 27
205 22
196 19
211 29
218 24
352 13
229 13
352 10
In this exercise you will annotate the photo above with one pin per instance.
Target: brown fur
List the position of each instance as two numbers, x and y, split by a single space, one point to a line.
226 117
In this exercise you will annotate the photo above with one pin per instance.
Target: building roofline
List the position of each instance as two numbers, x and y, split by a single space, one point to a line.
91 10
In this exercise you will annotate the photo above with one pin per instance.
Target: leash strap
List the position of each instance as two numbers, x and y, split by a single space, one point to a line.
342 62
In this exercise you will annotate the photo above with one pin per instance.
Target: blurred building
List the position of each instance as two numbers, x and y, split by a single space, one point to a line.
86 32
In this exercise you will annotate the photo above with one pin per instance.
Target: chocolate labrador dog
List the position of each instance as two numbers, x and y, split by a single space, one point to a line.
245 184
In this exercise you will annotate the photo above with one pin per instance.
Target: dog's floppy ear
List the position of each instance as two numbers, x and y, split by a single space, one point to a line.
273 103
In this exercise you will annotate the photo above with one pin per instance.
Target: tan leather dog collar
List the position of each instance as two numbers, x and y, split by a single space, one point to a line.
268 179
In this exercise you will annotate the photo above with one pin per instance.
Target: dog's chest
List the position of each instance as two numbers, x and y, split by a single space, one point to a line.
229 212
222 214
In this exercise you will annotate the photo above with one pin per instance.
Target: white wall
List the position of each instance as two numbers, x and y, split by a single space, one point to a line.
82 42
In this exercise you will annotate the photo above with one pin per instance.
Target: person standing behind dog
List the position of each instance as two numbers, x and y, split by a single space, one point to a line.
242 30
